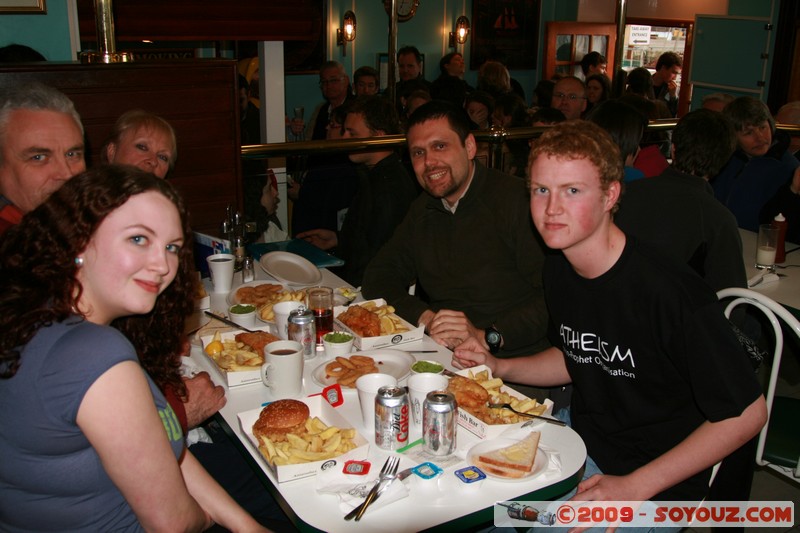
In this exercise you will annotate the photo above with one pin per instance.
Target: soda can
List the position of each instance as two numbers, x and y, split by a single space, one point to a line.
300 328
391 417
439 422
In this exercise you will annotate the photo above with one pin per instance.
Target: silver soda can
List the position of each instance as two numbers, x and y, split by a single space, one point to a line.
439 422
300 326
391 417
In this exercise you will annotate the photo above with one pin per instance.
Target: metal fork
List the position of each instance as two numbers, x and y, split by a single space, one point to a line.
387 475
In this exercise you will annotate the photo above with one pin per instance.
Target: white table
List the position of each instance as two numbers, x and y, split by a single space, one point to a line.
451 511
787 290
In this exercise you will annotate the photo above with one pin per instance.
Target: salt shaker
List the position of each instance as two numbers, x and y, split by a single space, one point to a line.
248 270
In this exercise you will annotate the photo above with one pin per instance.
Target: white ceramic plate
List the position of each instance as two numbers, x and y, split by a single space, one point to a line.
393 362
233 300
290 268
539 463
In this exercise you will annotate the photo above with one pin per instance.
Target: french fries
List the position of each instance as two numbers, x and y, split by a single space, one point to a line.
318 443
266 312
231 356
497 396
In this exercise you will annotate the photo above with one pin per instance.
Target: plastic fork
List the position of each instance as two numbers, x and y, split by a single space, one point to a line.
545 418
387 475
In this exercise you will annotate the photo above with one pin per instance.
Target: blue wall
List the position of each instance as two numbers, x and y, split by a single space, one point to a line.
48 33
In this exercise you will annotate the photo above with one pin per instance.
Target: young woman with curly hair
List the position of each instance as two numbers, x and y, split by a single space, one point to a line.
99 272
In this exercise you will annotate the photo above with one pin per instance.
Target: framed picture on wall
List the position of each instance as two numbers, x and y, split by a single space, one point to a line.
505 30
23 6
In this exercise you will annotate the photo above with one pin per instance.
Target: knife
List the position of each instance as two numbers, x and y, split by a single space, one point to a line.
401 476
229 322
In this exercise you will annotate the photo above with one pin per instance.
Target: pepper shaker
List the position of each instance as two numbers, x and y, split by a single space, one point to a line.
248 270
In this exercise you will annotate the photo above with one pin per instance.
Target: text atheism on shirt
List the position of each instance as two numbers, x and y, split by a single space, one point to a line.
590 348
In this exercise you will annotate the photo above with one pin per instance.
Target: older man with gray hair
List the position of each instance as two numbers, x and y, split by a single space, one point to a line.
41 147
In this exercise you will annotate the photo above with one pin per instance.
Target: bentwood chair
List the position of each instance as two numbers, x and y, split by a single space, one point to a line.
779 441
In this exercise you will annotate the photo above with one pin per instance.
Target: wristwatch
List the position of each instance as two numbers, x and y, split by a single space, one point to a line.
493 338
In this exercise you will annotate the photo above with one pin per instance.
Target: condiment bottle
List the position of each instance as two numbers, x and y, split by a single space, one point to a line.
780 250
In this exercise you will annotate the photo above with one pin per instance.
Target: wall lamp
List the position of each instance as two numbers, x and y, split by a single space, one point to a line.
347 32
462 31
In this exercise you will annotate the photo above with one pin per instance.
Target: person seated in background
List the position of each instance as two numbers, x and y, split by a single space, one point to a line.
494 79
144 140
385 191
366 81
593 63
760 168
636 335
87 277
543 93
409 70
598 90
626 126
665 80
335 87
414 100
545 116
270 198
41 147
450 84
677 212
652 158
716 101
467 242
787 200
569 97
328 187
479 106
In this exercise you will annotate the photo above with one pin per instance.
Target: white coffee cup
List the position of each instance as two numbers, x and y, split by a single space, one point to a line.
282 370
367 386
419 385
221 268
282 310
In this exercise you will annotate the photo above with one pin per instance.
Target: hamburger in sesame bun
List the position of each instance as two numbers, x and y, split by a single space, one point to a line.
280 418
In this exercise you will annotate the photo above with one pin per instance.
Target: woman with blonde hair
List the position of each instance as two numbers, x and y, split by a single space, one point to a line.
144 140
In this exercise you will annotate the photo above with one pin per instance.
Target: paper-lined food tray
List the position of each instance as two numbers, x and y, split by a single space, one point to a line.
469 422
241 375
317 407
394 329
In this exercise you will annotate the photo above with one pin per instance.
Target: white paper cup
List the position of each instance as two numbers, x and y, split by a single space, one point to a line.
419 385
282 310
246 320
368 386
282 371
221 268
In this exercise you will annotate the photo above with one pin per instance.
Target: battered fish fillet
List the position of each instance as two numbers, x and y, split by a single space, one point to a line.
256 340
468 392
362 321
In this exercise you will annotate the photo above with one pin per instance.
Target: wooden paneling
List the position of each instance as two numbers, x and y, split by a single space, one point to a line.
197 97
211 20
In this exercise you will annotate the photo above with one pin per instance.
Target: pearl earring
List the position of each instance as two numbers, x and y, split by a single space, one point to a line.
79 262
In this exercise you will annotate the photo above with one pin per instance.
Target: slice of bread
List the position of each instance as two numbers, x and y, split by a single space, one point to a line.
515 460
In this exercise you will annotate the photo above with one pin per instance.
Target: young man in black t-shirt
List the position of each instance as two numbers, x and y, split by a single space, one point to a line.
662 388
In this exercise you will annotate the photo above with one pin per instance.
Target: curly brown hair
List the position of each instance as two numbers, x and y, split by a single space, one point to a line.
38 284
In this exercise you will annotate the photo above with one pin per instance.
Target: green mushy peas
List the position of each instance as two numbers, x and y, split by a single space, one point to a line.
337 336
427 366
242 309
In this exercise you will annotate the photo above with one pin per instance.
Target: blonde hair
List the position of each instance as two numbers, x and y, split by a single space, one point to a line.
135 119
